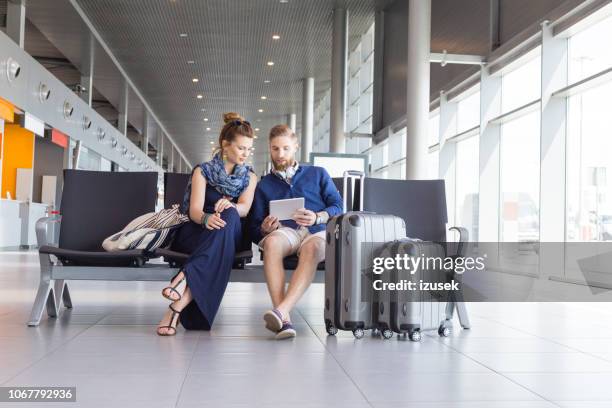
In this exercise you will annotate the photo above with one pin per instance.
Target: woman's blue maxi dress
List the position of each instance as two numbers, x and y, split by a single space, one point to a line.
210 262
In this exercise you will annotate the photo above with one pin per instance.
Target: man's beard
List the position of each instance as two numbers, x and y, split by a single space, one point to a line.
283 166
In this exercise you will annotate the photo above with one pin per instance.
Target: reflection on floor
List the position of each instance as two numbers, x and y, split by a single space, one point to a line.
515 356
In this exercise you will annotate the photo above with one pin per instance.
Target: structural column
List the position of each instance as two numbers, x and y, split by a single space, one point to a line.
417 78
147 129
87 68
553 151
15 21
76 155
377 93
160 148
338 81
171 159
307 118
292 121
448 153
490 134
123 107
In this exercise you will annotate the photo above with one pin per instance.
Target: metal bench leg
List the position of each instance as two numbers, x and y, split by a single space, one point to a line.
450 309
45 297
462 314
457 302
62 294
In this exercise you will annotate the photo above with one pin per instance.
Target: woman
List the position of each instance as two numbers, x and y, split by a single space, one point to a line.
219 193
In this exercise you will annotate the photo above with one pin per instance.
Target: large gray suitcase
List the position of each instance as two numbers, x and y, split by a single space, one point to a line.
352 239
413 312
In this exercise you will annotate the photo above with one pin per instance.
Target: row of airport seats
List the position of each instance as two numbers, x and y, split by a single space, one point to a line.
95 205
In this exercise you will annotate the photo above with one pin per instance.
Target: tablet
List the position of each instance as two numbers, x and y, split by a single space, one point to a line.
284 209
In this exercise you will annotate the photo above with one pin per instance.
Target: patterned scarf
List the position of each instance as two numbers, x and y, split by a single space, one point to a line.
287 174
230 185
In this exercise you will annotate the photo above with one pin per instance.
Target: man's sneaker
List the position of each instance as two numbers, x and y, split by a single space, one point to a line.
286 332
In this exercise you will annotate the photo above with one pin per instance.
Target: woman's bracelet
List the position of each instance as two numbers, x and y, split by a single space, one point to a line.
204 220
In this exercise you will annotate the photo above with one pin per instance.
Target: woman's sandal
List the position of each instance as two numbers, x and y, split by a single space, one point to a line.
172 325
172 289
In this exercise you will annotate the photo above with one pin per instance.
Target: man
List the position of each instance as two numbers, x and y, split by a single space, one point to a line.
304 235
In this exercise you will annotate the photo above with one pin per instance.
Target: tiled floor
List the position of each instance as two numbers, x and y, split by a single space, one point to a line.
515 356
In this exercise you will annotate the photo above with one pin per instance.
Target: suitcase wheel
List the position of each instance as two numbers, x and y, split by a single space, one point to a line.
415 336
375 332
331 329
358 333
387 333
444 331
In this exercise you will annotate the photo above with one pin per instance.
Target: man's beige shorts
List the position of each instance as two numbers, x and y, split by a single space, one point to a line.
296 237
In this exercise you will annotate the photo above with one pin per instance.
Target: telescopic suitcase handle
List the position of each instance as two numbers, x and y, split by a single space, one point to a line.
353 174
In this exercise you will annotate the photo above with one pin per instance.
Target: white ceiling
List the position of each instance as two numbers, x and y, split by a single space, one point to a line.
229 42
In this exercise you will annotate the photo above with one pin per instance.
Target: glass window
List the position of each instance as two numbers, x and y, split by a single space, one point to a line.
589 52
589 166
395 172
520 179
105 164
468 110
467 174
397 146
434 129
364 144
433 165
380 156
522 85
352 122
365 113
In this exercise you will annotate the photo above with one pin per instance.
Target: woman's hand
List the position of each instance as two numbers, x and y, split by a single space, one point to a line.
215 221
222 205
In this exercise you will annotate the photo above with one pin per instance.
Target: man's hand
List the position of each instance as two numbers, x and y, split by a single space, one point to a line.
222 204
304 217
269 224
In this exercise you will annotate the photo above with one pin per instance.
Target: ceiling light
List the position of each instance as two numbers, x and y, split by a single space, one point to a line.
183 35
276 37
212 142
13 69
43 92
191 62
199 96
255 137
270 63
260 110
205 119
284 1
207 128
257 129
266 81
203 110
195 80
263 97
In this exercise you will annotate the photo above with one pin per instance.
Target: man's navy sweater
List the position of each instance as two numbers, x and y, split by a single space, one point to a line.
311 182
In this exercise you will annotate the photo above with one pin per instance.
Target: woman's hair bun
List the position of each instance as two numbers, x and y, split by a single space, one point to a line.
231 116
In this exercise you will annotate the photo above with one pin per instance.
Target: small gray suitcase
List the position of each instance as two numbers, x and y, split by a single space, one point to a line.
412 312
352 239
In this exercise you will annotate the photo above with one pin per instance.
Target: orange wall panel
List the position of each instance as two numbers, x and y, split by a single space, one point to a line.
7 111
18 154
